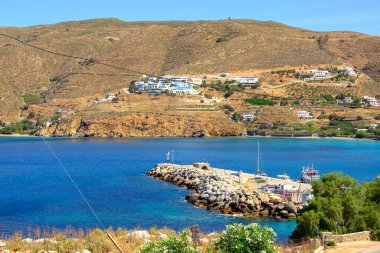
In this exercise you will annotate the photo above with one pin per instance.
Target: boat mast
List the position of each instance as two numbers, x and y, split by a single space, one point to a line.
258 158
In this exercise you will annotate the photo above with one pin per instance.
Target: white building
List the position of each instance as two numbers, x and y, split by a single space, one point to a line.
186 90
176 79
196 81
141 85
319 73
371 101
247 80
48 123
350 71
347 100
248 116
153 86
152 78
304 115
110 96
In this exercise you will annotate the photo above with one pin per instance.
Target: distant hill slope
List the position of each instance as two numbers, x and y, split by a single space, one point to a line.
161 47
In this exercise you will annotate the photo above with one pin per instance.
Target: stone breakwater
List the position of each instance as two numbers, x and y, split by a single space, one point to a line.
224 193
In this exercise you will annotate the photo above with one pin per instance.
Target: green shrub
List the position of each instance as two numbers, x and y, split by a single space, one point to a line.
30 99
228 93
259 101
238 238
361 135
218 40
322 116
296 102
334 117
236 116
177 244
228 108
55 78
331 244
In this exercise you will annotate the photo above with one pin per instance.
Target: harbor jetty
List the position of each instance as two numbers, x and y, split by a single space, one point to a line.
224 191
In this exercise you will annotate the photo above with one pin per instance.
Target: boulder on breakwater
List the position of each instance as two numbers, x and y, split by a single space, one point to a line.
220 192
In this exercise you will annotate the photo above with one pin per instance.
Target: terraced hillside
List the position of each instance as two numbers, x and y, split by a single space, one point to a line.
54 82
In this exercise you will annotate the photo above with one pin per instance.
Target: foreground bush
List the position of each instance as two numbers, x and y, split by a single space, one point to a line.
97 241
238 238
176 244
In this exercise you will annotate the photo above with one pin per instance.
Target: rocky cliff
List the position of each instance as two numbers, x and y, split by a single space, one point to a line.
145 125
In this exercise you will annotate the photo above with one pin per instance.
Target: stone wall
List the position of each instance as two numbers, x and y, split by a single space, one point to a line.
359 236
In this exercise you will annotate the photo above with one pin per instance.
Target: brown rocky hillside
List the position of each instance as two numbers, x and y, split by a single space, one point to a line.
176 47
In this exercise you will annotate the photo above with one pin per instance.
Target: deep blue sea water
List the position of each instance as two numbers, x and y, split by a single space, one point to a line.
35 191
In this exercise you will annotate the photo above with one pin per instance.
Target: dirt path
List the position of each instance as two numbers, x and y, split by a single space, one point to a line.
356 247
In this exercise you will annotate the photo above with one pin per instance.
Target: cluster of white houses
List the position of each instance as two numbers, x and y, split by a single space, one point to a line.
183 84
170 84
371 101
323 74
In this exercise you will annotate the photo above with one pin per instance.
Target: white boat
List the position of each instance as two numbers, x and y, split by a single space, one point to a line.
259 172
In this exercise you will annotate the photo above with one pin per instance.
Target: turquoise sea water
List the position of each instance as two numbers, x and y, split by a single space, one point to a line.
35 191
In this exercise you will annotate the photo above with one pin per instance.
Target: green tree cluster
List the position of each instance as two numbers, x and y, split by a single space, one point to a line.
341 205
22 127
237 238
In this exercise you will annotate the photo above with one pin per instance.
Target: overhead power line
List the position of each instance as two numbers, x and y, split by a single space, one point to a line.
76 57
82 195
81 58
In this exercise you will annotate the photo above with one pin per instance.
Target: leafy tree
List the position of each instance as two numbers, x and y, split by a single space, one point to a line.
132 88
361 135
341 205
238 238
308 225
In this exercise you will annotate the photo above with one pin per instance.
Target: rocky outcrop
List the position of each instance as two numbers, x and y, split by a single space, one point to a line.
223 193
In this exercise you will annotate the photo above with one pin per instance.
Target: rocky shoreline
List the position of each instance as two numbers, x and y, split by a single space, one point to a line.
223 193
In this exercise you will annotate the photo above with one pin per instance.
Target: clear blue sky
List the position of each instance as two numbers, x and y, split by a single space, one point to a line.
320 15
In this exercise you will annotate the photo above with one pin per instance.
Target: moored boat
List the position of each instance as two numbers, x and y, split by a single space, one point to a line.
259 172
309 174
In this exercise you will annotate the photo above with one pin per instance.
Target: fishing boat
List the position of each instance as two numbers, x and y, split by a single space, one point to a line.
259 172
309 174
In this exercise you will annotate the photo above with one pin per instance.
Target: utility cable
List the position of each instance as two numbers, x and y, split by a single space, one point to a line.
81 193
79 58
